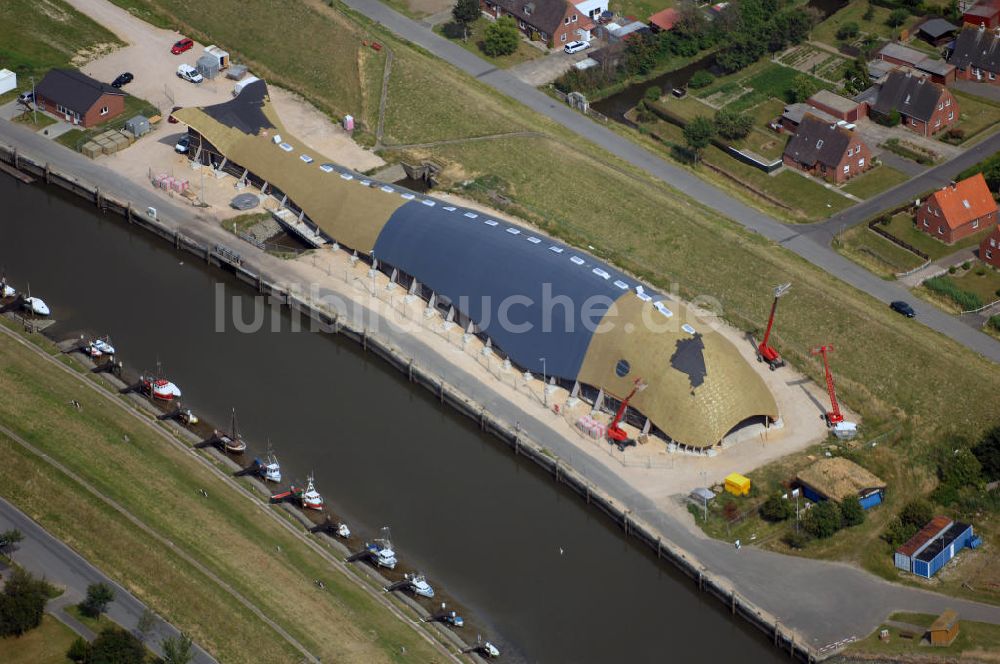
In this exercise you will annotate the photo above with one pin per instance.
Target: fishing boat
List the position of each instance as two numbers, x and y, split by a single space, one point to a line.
382 551
311 498
99 347
268 469
453 619
158 387
419 585
233 441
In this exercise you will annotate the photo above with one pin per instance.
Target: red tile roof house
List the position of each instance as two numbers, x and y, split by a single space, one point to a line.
77 98
989 248
556 22
925 107
958 210
827 150
664 20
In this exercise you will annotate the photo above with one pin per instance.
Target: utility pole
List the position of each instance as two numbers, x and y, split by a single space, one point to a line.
796 492
545 392
34 103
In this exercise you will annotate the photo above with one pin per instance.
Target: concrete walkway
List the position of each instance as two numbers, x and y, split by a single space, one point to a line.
893 160
939 267
811 243
43 555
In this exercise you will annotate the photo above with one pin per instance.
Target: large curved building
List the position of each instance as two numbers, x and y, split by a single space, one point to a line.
543 304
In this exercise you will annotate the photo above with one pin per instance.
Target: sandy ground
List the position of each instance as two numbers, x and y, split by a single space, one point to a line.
148 57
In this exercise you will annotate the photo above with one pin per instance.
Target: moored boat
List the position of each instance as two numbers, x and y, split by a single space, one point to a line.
37 306
99 347
382 550
232 442
269 469
159 388
419 585
310 497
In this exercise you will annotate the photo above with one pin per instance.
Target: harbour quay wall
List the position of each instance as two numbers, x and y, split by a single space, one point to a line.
563 474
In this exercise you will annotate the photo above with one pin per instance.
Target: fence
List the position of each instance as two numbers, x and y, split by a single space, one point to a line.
513 437
873 226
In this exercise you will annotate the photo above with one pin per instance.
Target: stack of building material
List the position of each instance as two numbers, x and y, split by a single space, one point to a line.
91 149
593 428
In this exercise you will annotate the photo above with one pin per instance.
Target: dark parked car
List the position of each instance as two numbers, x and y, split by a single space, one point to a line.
123 79
903 308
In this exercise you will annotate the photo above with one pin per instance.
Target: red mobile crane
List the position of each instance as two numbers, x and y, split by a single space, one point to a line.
834 416
615 433
764 352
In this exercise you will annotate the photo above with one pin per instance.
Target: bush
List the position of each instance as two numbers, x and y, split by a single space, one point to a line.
730 510
733 124
701 79
966 265
852 512
987 451
869 13
99 595
22 603
654 93
967 300
916 513
802 88
892 119
78 650
955 134
896 532
847 31
116 646
797 539
823 520
897 17
776 509
994 321
952 269
501 38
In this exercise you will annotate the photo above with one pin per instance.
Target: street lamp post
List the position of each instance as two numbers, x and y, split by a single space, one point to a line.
545 395
34 103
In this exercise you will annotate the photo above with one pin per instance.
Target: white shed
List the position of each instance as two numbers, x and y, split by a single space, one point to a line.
8 80
218 54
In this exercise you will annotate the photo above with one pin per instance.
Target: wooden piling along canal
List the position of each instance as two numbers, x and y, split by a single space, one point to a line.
522 446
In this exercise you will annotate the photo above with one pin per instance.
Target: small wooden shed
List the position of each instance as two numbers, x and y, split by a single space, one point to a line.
944 629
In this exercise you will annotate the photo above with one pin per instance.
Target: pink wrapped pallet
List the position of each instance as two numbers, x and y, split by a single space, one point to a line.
167 182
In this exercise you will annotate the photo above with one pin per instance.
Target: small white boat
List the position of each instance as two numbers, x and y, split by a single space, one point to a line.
343 530
269 469
99 347
420 586
490 650
188 417
311 498
382 549
36 305
7 291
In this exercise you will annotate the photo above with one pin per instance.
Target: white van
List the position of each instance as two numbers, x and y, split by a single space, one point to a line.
189 73
238 88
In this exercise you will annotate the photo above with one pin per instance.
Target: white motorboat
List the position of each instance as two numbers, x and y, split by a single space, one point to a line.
269 469
343 530
99 347
7 291
383 552
188 417
419 586
160 388
490 650
36 305
311 498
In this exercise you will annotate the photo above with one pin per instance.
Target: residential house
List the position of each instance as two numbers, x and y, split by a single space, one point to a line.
976 55
989 248
939 71
792 116
827 150
937 31
839 107
664 20
556 22
985 13
924 107
958 210
78 98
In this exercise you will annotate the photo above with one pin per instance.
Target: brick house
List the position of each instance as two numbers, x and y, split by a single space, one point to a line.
924 65
989 248
78 98
827 150
976 56
556 22
985 13
958 210
839 107
924 106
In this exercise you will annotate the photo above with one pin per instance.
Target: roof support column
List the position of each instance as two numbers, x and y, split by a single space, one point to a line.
598 402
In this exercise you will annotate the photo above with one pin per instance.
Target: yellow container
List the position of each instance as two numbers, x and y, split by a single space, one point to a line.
737 484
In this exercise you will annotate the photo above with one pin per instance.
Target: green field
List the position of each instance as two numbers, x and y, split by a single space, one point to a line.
854 13
977 114
875 181
876 253
45 645
233 539
985 286
764 80
639 9
37 35
902 227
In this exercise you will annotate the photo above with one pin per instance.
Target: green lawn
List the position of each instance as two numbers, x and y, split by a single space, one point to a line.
854 13
474 43
95 624
902 227
72 139
36 121
878 254
977 114
764 80
36 36
875 181
46 644
984 285
974 640
641 10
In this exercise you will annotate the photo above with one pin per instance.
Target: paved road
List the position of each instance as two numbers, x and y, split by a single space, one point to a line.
809 242
44 555
826 601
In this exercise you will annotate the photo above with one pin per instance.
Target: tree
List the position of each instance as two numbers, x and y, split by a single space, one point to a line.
988 453
823 520
897 17
78 650
701 79
959 467
99 595
9 539
116 646
916 513
502 37
698 135
654 93
897 532
465 13
22 603
802 88
776 508
147 621
855 74
869 13
847 31
733 124
851 511
178 649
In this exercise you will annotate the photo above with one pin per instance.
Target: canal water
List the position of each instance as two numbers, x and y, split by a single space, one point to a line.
549 579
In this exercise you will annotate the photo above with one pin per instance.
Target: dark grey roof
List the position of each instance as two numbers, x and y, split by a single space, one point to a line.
912 96
74 89
245 111
976 48
937 27
460 257
818 141
546 15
